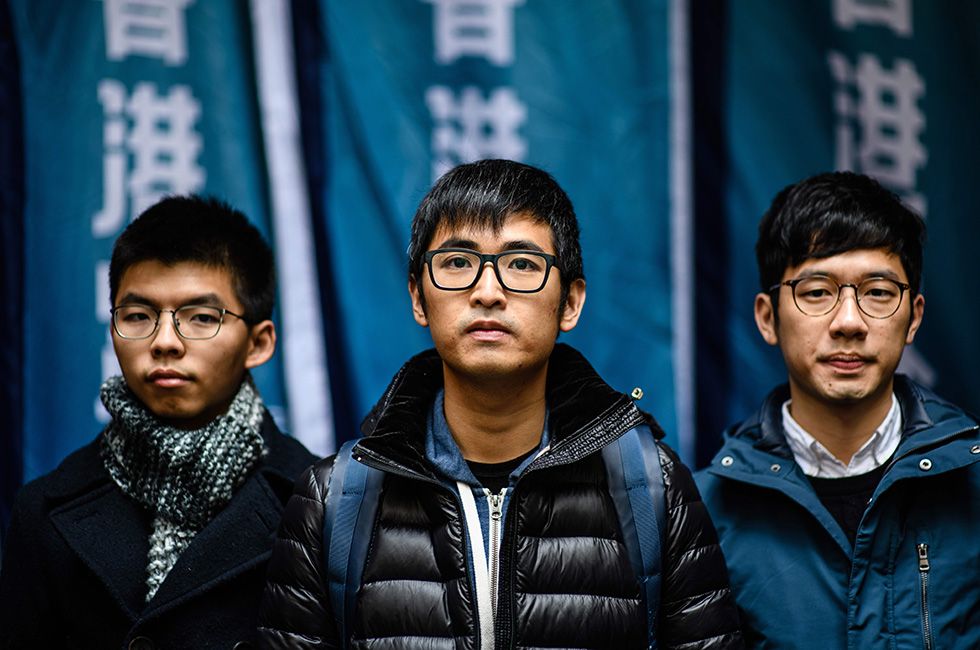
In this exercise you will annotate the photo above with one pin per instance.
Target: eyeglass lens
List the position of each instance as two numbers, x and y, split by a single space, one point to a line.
518 271
192 322
877 297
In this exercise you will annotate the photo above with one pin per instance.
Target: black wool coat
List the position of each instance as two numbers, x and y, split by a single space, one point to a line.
74 564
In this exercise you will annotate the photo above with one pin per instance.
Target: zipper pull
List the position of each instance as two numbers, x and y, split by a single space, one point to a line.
496 505
923 550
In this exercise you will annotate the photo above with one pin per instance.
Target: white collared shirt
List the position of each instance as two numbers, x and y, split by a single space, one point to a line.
815 460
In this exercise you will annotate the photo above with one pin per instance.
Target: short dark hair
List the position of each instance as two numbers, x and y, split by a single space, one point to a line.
203 230
833 213
487 193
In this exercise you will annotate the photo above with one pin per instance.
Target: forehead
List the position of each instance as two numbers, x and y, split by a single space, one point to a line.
179 283
852 265
517 231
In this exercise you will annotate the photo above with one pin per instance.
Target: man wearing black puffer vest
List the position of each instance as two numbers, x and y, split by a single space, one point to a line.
497 520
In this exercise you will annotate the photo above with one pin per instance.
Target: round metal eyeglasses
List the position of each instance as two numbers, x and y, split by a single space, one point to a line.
193 322
817 295
520 271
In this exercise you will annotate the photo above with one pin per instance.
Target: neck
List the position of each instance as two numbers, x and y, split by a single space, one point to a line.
841 427
493 421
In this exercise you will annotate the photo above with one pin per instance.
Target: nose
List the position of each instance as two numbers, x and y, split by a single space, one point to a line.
166 340
848 321
487 291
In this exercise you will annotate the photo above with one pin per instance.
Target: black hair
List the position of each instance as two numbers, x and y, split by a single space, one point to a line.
207 231
833 213
485 194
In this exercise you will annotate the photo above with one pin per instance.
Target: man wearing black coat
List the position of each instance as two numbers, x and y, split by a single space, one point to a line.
157 534
495 525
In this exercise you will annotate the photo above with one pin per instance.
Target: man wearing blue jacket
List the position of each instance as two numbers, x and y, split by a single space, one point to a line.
847 505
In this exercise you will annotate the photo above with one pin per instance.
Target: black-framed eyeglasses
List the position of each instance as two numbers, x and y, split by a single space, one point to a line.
193 322
817 295
520 271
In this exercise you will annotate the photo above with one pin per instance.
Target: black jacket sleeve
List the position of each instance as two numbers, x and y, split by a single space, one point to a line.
697 609
295 611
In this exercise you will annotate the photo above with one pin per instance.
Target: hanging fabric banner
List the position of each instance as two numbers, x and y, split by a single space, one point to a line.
124 101
883 88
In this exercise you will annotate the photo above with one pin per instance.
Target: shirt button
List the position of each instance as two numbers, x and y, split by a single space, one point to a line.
141 643
925 464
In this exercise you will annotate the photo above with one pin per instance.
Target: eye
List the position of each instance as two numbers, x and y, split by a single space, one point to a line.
525 263
204 317
816 290
136 315
879 290
455 261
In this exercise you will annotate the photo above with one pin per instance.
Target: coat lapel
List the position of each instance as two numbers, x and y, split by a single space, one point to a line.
109 532
238 539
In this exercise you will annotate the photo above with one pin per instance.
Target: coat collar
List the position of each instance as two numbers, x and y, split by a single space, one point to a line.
584 412
109 532
927 419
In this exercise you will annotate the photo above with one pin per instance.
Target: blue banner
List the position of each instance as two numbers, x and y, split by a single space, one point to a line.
884 88
408 89
124 101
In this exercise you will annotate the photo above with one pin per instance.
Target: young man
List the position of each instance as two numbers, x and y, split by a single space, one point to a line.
495 524
847 506
158 533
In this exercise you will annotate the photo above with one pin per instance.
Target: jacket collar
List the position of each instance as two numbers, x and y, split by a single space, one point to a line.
585 413
926 418
109 532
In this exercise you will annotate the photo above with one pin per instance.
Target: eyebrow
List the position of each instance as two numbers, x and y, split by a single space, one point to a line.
133 298
881 273
514 245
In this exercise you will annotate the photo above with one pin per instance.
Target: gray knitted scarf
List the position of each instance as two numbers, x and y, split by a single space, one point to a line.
183 477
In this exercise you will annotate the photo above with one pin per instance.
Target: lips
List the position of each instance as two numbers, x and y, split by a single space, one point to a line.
167 378
846 361
487 330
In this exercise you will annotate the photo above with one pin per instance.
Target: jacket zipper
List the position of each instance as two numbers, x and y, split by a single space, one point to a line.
923 552
496 502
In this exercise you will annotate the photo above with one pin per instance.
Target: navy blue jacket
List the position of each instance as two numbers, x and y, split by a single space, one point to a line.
74 565
912 579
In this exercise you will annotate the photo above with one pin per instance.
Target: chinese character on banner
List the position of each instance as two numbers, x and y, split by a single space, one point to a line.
472 127
153 28
882 106
157 134
894 14
483 28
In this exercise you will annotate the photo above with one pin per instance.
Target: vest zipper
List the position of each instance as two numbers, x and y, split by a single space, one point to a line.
496 502
923 552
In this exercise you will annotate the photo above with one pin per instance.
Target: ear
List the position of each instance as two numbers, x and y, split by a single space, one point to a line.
765 318
918 306
261 344
418 310
573 306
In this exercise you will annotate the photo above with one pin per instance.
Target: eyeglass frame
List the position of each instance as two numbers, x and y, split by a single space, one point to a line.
550 261
903 287
173 316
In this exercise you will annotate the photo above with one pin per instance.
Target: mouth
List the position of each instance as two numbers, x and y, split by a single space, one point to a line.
846 361
166 378
487 330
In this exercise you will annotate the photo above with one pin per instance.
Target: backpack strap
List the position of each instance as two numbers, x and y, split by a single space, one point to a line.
348 518
636 485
